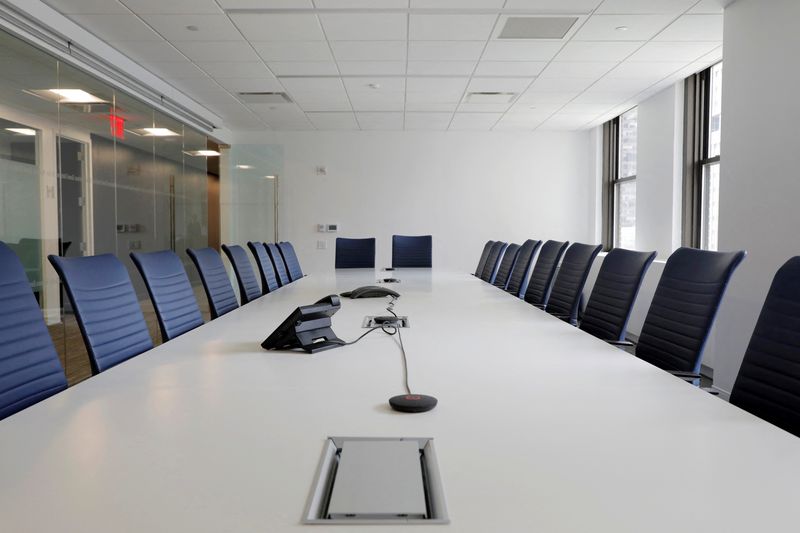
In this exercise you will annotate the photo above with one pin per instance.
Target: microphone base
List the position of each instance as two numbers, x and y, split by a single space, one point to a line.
413 403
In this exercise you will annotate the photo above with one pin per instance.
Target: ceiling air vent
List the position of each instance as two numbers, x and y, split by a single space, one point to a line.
536 27
490 98
265 98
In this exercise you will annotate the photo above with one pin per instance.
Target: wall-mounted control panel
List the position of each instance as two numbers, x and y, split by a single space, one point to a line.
327 228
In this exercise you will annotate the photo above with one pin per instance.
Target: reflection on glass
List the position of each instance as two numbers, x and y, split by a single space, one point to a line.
715 111
626 215
628 123
709 224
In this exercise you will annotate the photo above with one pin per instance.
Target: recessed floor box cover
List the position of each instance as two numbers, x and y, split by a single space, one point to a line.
385 321
364 480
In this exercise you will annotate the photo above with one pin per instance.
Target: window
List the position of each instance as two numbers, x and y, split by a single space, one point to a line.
702 152
619 147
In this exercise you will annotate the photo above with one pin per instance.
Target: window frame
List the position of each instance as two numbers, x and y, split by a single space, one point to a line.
612 180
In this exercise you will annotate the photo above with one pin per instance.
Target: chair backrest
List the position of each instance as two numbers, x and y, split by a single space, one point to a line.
219 291
493 261
290 259
249 289
517 282
484 256
106 306
566 296
506 265
614 293
170 291
684 306
269 281
412 251
768 384
277 263
29 367
538 290
355 253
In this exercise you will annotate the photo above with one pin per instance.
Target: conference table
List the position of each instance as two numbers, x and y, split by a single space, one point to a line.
540 427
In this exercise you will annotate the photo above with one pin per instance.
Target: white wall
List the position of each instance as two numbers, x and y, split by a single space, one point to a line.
464 188
760 163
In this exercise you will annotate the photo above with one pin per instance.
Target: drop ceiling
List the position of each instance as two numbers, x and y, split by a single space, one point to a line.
411 64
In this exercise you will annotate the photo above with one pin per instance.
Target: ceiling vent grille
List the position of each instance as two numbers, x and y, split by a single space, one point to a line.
490 97
265 98
537 27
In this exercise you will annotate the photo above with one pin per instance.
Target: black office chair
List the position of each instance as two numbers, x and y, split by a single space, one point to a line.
538 290
278 264
614 293
768 384
412 251
219 291
493 261
517 281
269 280
567 294
355 253
290 260
249 289
683 310
506 265
484 256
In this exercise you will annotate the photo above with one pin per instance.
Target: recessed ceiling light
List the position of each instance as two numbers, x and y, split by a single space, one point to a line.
22 131
202 153
155 132
244 167
270 177
192 27
76 96
621 28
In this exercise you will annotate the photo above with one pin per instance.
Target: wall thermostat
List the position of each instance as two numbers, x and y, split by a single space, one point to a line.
332 228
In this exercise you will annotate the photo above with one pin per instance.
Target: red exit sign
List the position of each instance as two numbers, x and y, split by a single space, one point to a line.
117 124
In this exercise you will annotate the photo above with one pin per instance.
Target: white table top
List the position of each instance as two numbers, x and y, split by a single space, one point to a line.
539 427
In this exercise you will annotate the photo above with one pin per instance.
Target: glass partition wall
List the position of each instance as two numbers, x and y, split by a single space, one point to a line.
86 169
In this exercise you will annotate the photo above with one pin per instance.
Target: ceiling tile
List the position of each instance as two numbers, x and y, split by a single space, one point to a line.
562 84
146 7
654 70
513 85
371 4
577 69
437 85
372 68
538 108
427 121
293 51
209 27
104 7
635 85
266 4
593 96
535 96
333 121
605 27
694 28
303 68
463 4
450 27
445 50
671 51
671 7
233 51
378 100
365 84
364 26
440 68
474 121
226 69
238 85
597 50
117 27
509 68
149 50
554 6
380 121
521 51
258 27
519 122
584 109
321 102
369 50
331 85
567 122
467 107
431 107
707 7
428 97
176 69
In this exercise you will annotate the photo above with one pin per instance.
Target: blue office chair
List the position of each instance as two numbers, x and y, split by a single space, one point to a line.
355 253
170 291
506 265
269 281
277 263
29 367
493 261
249 289
106 307
567 294
484 257
290 259
412 252
683 309
219 291
768 384
517 282
541 280
614 293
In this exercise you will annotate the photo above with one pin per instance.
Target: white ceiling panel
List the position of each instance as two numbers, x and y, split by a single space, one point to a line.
466 107
707 7
303 68
584 109
440 68
313 102
333 121
176 69
237 85
364 26
670 7
233 51
372 68
172 6
537 108
378 101
374 85
380 121
514 85
521 51
99 7
622 27
462 4
474 121
279 26
369 50
266 4
438 97
652 70
562 84
445 50
536 96
554 6
352 4
597 50
208 27
117 27
227 69
450 27
313 84
427 121
577 69
444 107
694 28
293 50
149 50
672 51
622 84
602 97
566 122
437 85
509 68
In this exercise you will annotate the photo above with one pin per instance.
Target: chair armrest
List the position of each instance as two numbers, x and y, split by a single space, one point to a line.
685 375
626 343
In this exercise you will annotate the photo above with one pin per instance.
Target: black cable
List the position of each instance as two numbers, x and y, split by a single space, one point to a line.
358 339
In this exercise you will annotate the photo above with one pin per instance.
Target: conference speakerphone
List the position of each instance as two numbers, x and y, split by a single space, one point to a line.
377 481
